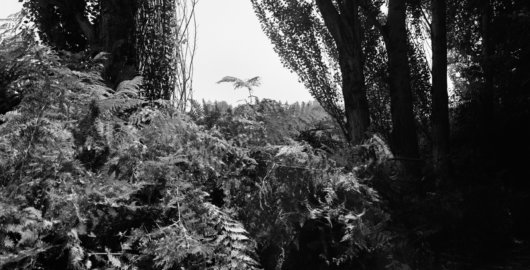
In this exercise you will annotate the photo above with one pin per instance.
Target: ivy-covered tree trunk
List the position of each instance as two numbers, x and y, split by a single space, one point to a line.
404 137
156 47
440 107
344 26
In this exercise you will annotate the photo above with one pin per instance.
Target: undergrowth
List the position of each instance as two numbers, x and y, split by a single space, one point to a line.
94 177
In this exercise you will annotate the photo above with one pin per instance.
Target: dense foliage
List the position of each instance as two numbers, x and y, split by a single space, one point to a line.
97 174
306 48
348 54
139 37
93 177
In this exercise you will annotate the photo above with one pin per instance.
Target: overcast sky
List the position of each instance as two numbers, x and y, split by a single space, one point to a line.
8 7
230 43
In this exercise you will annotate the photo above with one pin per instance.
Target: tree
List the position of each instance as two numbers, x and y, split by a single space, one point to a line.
149 37
315 42
440 99
486 13
344 26
239 83
489 46
156 47
63 24
404 129
396 39
115 24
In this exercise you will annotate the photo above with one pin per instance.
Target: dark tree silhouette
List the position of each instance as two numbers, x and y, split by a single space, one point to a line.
440 99
140 35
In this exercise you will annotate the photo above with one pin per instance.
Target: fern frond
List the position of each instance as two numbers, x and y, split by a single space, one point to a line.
255 81
229 79
234 249
239 83
76 253
99 91
129 88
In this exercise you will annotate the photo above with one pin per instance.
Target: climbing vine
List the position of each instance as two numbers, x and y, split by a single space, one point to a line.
156 45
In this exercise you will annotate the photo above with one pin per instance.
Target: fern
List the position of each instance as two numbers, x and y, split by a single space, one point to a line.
21 234
234 249
129 88
97 178
239 83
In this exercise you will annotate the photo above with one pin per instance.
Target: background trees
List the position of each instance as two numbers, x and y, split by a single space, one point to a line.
440 98
306 47
343 22
152 38
344 25
397 43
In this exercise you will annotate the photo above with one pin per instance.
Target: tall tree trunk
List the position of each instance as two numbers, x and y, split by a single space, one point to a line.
404 137
87 29
345 29
487 53
440 99
117 22
394 33
116 35
486 97
156 47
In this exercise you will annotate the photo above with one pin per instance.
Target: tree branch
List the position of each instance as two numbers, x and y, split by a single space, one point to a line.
331 18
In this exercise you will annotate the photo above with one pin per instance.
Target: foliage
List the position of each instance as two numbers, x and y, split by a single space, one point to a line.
59 22
269 121
94 177
304 44
81 170
305 47
151 38
293 186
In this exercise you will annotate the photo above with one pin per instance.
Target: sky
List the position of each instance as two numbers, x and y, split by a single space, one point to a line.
8 7
230 43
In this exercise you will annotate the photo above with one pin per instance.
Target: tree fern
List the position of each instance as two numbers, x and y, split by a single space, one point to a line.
239 83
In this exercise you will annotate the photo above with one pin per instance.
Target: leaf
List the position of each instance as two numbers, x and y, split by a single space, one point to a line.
8 243
129 88
114 261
